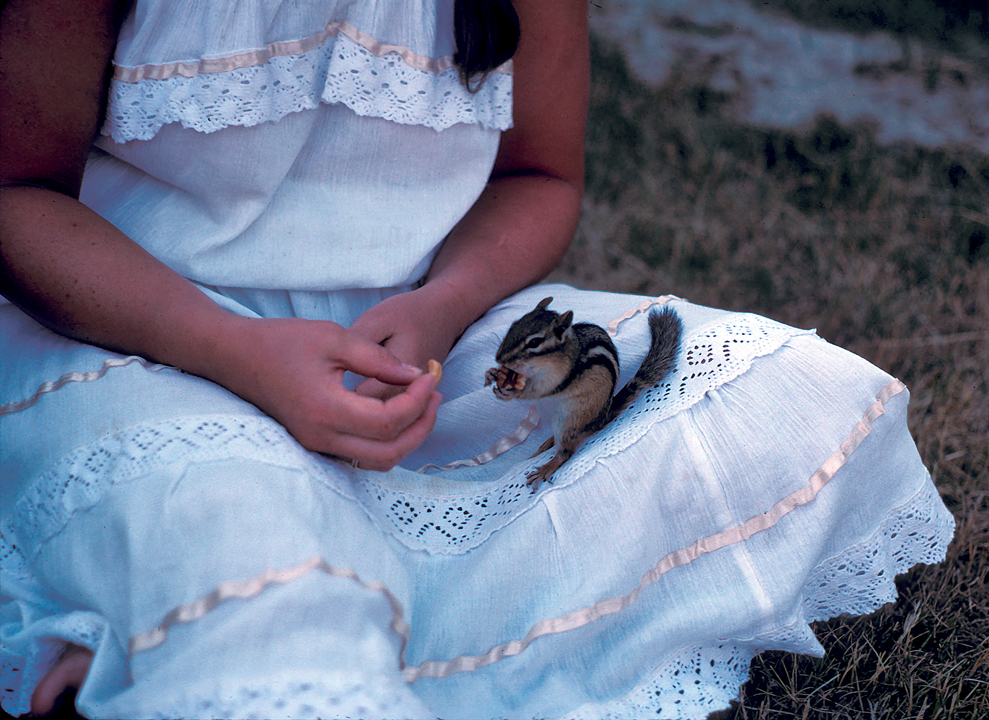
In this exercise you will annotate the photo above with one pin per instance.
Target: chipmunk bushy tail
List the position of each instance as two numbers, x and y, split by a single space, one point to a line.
665 329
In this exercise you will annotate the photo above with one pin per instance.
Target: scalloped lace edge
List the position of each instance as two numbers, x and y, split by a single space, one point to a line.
920 530
348 694
370 78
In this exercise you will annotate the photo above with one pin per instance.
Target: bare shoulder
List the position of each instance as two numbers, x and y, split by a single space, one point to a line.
550 90
54 57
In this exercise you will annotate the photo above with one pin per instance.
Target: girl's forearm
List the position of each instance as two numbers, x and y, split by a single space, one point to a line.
78 275
514 235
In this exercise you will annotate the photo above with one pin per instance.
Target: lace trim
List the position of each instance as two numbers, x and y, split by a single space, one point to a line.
80 479
345 67
73 377
690 685
28 650
353 694
918 531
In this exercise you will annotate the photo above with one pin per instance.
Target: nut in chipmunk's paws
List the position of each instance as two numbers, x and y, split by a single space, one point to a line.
506 381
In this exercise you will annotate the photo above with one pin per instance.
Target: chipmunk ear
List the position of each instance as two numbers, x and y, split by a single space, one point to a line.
562 323
544 303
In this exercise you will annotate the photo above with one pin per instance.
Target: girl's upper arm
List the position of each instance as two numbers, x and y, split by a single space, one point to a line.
54 61
551 82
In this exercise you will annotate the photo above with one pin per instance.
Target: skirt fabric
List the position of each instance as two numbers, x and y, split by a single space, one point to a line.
217 569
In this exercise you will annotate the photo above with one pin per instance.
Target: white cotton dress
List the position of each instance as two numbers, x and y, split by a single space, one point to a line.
307 159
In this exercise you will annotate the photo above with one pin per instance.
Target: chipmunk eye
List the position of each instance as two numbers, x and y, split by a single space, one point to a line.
534 342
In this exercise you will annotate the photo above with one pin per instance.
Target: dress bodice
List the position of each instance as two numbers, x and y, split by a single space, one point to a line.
303 146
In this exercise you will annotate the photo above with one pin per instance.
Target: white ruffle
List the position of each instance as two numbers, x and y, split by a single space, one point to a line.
691 683
339 70
31 641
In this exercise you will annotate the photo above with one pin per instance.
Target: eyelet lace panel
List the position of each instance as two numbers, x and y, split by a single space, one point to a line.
708 359
345 66
80 479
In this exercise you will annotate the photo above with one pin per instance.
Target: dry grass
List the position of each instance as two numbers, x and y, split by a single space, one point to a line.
884 250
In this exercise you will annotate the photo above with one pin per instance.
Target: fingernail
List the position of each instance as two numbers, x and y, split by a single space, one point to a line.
412 368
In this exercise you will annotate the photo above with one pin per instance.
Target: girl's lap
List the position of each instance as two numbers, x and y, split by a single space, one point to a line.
768 443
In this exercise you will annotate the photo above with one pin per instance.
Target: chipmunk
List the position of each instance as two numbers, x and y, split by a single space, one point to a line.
543 355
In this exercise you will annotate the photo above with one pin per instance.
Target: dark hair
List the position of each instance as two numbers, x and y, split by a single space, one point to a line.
487 34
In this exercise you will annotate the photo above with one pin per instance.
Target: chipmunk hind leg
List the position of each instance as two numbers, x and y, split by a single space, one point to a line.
545 472
547 444
569 442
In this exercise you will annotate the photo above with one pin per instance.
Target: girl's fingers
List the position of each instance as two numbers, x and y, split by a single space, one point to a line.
371 360
382 455
376 389
386 420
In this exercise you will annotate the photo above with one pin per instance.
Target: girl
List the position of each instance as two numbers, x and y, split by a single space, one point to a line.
229 489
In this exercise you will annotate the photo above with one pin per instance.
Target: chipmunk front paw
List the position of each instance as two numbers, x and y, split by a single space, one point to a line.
507 382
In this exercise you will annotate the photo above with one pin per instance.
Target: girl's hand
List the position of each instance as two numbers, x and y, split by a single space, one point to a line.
293 370
416 327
